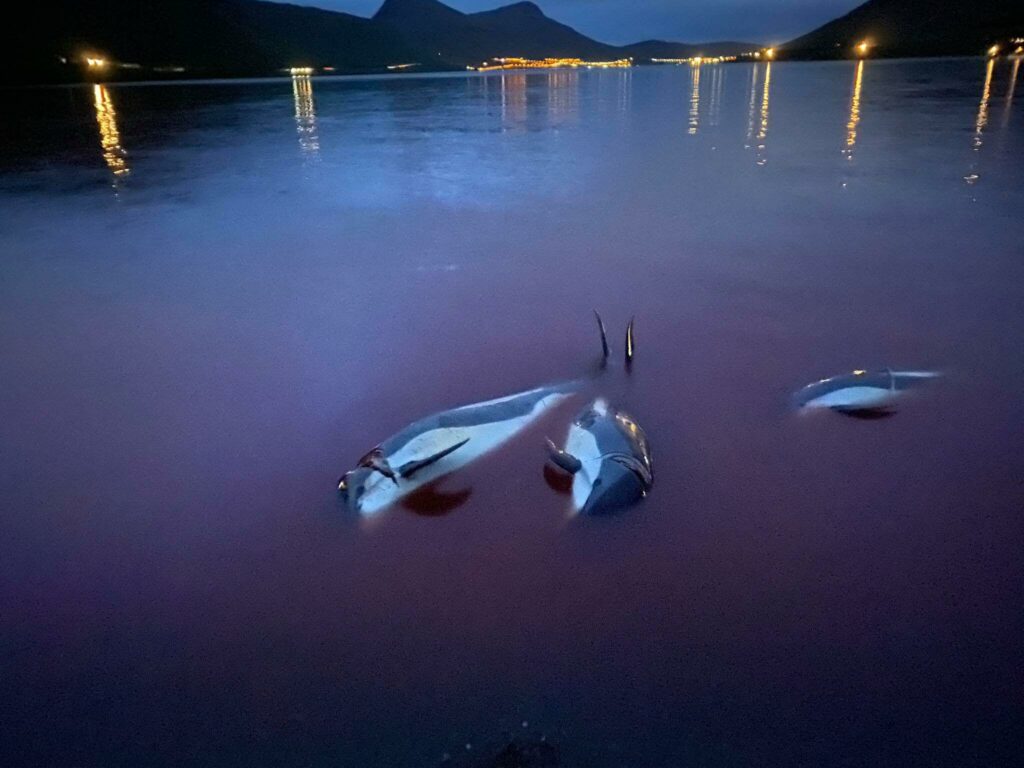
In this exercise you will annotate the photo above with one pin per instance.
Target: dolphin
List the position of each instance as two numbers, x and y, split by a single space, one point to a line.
609 457
442 443
606 451
860 392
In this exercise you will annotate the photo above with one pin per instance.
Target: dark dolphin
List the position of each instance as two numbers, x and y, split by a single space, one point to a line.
609 457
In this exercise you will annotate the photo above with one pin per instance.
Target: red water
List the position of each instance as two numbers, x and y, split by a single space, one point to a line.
192 357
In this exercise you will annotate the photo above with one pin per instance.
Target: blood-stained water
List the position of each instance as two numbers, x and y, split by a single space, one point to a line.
214 298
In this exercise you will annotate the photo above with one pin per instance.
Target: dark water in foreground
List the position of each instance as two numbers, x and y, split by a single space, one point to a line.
214 298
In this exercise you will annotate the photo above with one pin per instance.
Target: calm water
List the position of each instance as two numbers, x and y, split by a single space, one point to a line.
215 297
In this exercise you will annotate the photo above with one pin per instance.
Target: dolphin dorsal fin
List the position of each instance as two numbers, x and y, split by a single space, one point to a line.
629 342
604 336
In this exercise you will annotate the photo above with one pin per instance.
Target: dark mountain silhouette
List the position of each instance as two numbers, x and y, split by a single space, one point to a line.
524 26
521 29
463 39
206 38
914 28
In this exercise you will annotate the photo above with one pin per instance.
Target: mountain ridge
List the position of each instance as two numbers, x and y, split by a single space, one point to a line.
215 38
913 28
218 38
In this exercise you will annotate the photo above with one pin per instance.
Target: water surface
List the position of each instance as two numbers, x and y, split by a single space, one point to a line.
215 297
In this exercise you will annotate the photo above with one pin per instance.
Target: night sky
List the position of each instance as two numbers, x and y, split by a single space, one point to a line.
627 21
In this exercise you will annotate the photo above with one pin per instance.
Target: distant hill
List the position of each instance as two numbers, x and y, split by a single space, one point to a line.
461 39
662 49
206 37
914 28
214 38
521 29
526 31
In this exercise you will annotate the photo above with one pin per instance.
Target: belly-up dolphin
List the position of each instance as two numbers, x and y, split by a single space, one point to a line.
860 391
606 451
440 444
609 457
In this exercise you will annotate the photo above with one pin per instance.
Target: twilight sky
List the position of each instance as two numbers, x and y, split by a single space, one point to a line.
628 21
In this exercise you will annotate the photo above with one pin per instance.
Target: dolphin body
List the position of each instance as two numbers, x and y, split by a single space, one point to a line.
609 457
606 451
442 443
860 391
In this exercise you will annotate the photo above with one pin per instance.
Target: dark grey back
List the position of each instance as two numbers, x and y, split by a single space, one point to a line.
618 435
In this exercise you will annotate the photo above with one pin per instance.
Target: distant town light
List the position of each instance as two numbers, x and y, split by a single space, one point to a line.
517 62
96 63
769 53
301 71
993 51
863 48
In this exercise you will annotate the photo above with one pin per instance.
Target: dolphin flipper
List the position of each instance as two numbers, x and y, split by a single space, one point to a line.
563 460
412 467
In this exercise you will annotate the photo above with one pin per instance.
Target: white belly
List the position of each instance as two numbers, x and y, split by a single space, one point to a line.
855 398
483 438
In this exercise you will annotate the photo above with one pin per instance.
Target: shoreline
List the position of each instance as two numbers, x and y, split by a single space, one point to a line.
447 72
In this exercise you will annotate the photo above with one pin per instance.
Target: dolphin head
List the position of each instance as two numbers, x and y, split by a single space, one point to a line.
353 486
617 485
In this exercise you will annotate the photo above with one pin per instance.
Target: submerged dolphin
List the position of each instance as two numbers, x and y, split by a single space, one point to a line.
609 457
440 444
860 391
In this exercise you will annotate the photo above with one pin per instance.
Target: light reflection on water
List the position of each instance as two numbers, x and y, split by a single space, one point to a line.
986 95
851 124
762 131
305 115
563 95
114 155
694 122
1011 89
513 100
752 109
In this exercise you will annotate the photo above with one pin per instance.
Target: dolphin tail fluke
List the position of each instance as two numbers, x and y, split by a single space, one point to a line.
604 336
630 347
561 459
